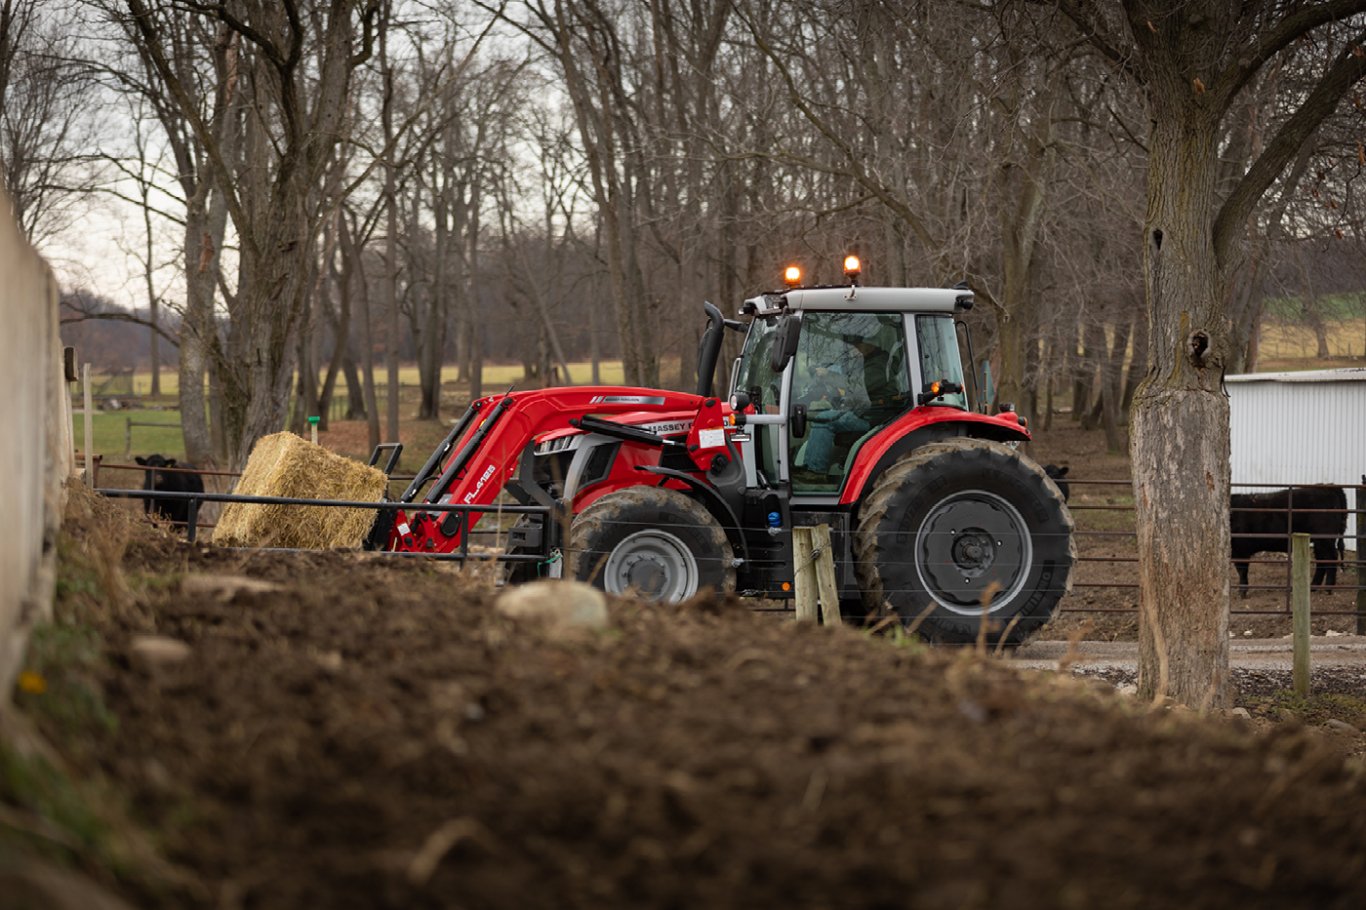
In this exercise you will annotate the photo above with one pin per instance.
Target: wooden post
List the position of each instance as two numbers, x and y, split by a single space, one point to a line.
804 575
89 441
826 585
1299 600
1361 557
814 578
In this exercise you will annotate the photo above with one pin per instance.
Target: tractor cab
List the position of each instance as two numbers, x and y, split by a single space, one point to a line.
825 370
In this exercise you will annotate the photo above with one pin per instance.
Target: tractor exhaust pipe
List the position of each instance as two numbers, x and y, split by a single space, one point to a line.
709 349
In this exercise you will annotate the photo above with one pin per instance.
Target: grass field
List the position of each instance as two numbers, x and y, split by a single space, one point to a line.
113 433
495 374
1289 341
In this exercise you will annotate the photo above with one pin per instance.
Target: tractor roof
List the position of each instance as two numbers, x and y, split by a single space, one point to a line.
864 300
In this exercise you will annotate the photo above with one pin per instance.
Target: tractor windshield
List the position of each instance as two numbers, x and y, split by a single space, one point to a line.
939 356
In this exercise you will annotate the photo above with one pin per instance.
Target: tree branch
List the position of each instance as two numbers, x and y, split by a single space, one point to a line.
120 317
1087 20
1346 71
1270 43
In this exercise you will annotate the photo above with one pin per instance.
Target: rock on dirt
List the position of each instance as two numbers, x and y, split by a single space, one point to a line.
224 587
561 604
155 652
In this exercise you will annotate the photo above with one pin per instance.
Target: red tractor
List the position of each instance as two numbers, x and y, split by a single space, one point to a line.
847 408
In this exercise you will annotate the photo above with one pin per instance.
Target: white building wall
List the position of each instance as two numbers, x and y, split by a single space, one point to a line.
1288 432
35 442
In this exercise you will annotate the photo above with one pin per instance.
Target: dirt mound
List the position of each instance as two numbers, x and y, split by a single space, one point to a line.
371 733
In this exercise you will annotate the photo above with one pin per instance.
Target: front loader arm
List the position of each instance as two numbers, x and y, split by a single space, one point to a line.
484 450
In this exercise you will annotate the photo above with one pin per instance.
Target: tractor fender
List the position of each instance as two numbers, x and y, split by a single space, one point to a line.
914 429
714 503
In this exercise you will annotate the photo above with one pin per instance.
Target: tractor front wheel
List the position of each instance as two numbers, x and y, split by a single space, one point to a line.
963 533
653 541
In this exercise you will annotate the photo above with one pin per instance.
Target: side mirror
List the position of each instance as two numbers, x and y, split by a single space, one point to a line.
785 339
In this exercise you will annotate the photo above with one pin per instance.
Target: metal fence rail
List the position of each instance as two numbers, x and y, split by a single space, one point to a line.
461 554
1097 521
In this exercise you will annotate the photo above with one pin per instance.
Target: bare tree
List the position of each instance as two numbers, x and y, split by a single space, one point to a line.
44 122
296 111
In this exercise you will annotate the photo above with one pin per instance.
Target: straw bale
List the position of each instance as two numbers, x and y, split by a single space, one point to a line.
287 465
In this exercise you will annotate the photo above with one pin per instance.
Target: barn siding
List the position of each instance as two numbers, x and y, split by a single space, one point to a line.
1299 432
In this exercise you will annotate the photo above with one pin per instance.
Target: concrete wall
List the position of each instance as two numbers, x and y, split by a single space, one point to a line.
35 441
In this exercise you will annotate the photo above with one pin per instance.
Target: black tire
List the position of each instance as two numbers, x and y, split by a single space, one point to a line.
951 520
655 541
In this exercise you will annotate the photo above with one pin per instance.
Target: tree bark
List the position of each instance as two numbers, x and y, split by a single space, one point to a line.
1180 443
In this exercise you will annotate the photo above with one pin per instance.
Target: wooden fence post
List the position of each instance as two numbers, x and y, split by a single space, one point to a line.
814 561
826 585
804 575
89 425
1299 604
1361 557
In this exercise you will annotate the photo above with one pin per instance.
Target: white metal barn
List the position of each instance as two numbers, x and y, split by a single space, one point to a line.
1307 427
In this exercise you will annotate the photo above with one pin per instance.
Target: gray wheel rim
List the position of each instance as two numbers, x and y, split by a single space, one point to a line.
653 563
968 542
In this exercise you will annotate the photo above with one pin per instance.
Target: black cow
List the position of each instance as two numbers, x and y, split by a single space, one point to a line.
1320 511
1058 473
173 510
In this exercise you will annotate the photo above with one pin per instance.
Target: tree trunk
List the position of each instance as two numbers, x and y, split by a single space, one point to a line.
1180 442
353 277
474 236
393 325
273 295
1093 355
431 343
204 229
1110 389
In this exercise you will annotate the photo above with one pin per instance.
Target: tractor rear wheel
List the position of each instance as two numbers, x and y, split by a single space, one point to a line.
654 541
965 532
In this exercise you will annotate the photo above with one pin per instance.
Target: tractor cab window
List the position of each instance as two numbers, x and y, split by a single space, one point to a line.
764 387
756 377
850 374
939 358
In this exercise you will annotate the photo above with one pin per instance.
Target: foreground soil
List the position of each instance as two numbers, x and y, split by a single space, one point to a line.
358 733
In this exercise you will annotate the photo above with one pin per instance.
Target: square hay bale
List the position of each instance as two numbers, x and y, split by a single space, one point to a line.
286 465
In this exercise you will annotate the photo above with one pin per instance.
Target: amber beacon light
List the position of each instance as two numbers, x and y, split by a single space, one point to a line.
792 276
852 267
